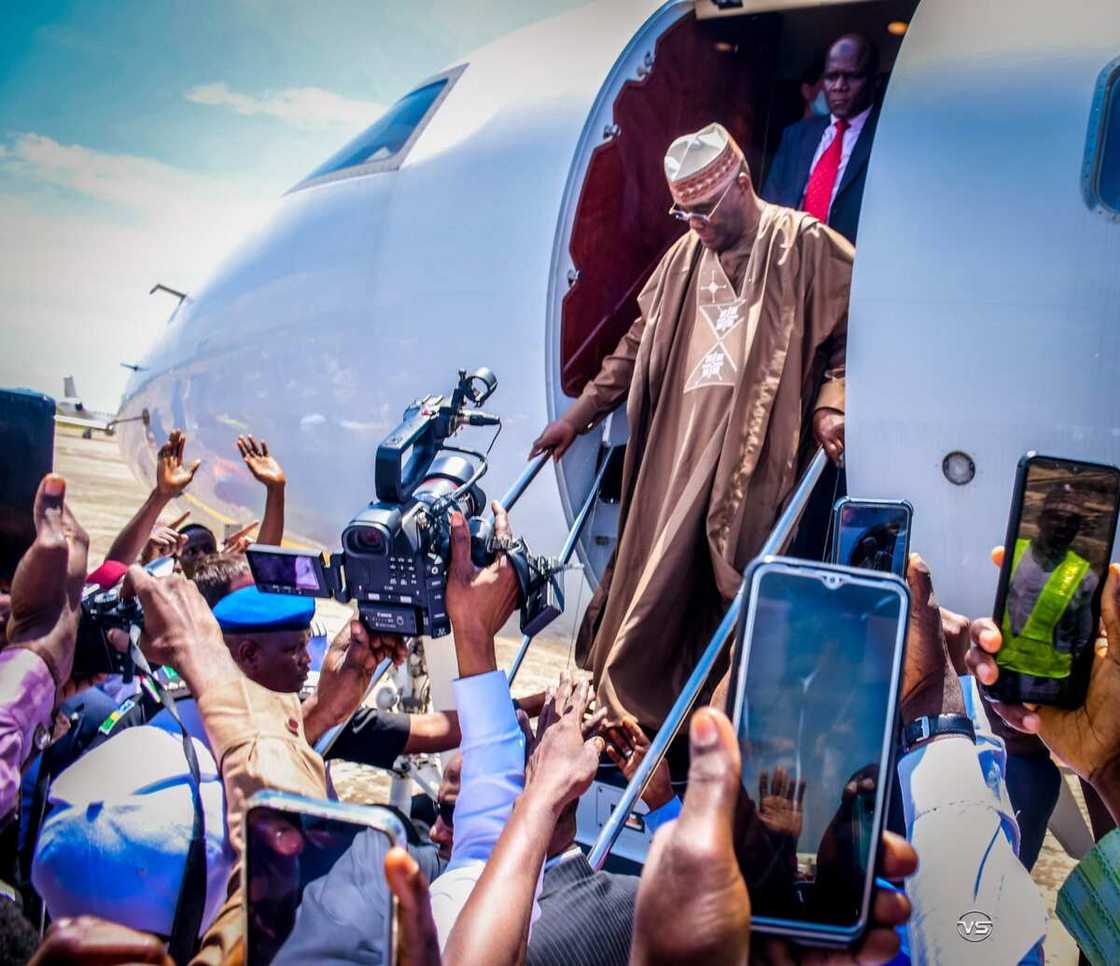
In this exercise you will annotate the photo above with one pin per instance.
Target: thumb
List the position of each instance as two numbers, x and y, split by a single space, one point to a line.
137 582
419 943
713 775
997 556
462 569
1110 610
919 580
193 468
48 511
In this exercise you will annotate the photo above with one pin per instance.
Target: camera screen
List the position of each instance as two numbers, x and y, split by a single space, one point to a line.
813 752
873 537
301 573
316 889
1055 567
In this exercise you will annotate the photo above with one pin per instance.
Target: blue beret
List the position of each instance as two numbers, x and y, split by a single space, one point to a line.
249 609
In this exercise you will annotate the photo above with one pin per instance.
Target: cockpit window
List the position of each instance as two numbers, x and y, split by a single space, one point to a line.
1101 179
385 143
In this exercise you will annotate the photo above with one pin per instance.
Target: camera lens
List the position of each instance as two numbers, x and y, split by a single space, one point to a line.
368 540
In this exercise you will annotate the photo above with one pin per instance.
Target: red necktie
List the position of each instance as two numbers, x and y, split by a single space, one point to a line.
818 193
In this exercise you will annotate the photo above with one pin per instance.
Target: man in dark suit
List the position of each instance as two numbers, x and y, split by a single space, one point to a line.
821 162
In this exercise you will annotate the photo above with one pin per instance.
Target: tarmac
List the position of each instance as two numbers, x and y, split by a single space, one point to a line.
103 494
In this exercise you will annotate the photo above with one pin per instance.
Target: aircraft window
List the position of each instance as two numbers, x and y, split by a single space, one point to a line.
383 145
1102 157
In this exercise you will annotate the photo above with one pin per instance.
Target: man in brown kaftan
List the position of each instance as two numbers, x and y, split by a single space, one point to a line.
739 346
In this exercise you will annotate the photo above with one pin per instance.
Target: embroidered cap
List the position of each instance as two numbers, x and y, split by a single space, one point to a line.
249 609
699 166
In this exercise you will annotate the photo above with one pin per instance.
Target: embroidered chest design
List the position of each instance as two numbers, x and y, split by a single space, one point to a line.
716 351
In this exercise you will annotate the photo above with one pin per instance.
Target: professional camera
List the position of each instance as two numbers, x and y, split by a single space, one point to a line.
396 551
103 611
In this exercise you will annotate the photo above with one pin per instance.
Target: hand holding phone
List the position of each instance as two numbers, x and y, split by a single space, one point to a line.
314 881
815 677
1060 534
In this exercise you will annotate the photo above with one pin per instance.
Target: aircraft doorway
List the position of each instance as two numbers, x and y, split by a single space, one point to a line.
743 71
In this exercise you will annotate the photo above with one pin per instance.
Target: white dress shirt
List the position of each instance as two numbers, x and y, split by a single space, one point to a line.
961 823
850 137
493 748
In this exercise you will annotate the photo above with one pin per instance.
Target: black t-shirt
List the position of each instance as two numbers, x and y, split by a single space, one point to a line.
372 737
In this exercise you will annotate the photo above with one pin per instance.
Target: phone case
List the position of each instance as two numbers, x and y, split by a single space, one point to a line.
826 934
1008 688
371 816
838 507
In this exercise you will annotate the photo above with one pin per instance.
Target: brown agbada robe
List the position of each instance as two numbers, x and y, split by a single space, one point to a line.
728 359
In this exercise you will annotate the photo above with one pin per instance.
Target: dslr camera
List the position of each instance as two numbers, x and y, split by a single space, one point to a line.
396 551
103 611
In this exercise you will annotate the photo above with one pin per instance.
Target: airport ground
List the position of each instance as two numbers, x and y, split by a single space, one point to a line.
104 494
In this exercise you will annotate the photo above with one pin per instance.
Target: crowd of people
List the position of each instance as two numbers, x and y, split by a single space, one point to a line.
124 801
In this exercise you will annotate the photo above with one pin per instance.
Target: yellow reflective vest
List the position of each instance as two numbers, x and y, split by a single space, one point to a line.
1032 650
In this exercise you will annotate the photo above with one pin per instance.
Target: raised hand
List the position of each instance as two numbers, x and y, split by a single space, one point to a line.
930 685
627 745
780 803
47 585
563 763
261 463
345 675
240 541
162 542
479 600
172 475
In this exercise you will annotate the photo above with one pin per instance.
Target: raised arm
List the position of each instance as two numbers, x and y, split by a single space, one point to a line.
598 398
172 477
493 926
270 474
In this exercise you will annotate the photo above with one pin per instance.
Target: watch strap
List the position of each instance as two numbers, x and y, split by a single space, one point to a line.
928 727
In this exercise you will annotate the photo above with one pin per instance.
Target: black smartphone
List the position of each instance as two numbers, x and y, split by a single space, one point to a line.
1060 535
314 881
872 534
27 442
816 673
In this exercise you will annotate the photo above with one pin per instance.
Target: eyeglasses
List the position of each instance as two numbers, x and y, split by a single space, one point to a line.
682 214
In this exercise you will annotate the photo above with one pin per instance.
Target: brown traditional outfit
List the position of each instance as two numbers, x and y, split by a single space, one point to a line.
729 358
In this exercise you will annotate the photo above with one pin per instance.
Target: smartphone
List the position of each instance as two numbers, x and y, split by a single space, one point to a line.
27 442
816 672
278 570
313 881
1060 534
872 534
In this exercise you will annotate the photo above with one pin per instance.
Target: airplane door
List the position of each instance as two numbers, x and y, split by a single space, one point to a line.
985 310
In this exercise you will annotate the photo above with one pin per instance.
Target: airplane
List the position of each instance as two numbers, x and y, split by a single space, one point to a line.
505 212
71 411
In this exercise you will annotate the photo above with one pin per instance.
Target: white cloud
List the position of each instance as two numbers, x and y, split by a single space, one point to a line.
76 277
309 108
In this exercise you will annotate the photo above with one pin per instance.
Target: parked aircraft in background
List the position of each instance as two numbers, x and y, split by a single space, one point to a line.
71 411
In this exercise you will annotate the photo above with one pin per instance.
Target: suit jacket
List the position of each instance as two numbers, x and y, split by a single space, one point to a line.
789 171
586 917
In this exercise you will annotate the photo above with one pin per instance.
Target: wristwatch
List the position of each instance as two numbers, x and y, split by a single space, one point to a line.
922 729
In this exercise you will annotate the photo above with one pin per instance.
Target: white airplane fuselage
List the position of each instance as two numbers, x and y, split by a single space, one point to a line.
984 313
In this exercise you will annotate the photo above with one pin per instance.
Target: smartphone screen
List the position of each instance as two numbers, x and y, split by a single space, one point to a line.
1059 542
872 535
279 571
817 678
27 442
315 884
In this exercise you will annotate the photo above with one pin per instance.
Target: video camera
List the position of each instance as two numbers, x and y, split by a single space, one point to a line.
396 551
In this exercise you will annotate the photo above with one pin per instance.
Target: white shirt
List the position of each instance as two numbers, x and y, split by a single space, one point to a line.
960 821
855 126
493 748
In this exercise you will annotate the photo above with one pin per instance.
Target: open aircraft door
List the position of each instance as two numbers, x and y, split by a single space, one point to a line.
985 310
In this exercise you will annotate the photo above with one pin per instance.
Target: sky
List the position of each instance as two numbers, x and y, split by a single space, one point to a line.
140 140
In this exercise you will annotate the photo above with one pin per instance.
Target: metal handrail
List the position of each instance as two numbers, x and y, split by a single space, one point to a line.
696 681
521 484
566 552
